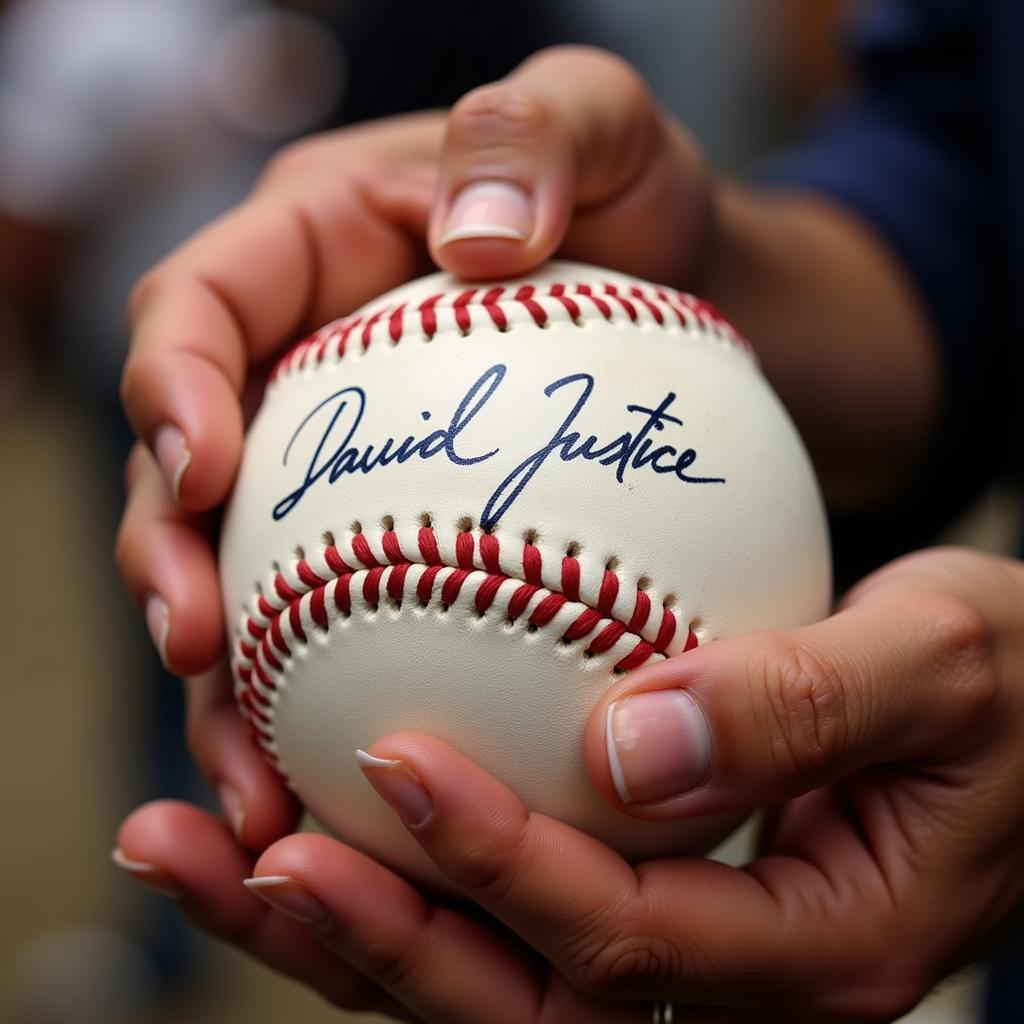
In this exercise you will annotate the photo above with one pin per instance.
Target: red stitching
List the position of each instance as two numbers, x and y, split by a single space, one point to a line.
495 304
308 592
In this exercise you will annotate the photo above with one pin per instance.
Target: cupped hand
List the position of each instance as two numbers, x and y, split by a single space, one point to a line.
889 739
569 153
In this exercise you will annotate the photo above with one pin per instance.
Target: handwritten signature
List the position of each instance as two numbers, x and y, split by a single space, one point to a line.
340 451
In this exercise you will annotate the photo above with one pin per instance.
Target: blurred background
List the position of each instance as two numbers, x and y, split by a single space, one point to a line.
124 126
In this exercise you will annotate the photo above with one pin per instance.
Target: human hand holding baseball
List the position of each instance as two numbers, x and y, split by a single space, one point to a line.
886 739
208 314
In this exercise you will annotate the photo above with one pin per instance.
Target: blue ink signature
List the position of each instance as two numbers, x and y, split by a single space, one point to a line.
337 453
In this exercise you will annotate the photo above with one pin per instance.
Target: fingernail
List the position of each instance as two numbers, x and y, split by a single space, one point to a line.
172 452
234 811
399 785
151 875
291 897
659 745
489 209
158 619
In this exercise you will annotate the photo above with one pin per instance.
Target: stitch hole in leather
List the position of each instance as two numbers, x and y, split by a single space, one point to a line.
426 520
531 536
669 601
612 564
532 628
357 527
465 524
328 539
300 553
388 522
644 583
573 549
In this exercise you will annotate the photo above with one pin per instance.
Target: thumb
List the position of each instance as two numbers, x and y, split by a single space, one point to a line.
901 673
568 153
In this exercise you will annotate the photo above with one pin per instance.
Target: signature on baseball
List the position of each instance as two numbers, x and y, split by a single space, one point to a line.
341 451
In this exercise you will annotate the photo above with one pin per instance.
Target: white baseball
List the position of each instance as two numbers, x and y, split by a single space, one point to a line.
465 509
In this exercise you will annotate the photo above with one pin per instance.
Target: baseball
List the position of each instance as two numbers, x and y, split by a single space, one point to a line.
465 509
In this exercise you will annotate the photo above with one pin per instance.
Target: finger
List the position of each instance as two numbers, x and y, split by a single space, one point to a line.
167 563
169 569
256 801
331 227
571 136
442 965
897 674
772 936
190 856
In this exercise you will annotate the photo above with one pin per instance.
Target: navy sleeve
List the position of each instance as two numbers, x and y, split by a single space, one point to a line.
910 150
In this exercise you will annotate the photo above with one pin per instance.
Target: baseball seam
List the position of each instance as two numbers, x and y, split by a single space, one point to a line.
502 308
590 604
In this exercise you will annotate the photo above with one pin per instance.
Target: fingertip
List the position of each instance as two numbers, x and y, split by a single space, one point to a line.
507 186
302 855
647 745
172 836
262 809
183 607
343 877
416 773
257 805
488 259
189 415
418 750
169 568
211 447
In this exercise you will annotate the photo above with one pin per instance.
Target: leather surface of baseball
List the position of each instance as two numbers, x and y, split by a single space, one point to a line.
465 509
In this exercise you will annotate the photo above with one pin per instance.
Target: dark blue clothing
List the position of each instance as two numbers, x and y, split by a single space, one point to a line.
929 148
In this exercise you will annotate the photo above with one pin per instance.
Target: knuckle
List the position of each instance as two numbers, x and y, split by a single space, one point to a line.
964 643
295 158
491 866
144 289
499 115
628 962
805 696
392 967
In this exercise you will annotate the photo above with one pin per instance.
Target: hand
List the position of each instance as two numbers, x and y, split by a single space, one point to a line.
889 739
589 166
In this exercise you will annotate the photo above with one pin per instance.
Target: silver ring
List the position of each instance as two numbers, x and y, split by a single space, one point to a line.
663 1013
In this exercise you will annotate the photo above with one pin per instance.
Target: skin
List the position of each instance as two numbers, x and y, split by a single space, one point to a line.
886 739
